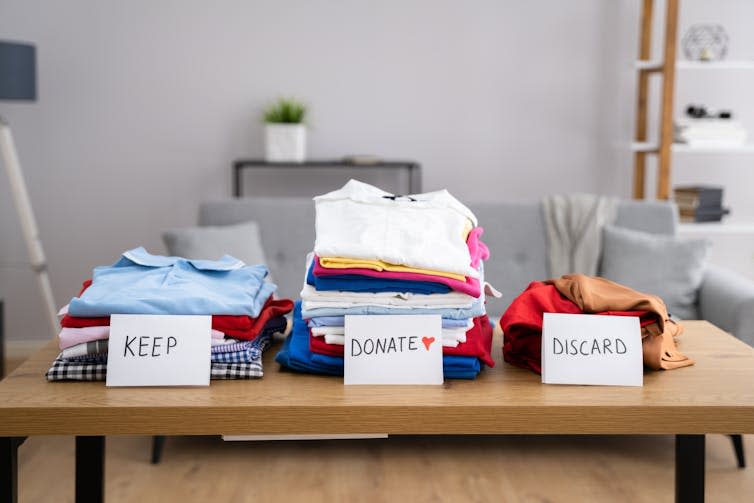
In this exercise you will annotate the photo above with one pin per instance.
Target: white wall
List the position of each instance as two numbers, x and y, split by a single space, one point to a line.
144 104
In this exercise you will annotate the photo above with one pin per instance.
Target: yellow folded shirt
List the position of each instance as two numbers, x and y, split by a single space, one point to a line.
379 265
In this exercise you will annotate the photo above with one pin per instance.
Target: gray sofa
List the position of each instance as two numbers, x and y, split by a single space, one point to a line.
515 234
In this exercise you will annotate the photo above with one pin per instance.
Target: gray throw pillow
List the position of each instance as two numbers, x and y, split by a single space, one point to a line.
241 241
667 266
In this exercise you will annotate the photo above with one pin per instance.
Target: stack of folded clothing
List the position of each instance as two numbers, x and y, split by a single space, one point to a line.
380 254
244 314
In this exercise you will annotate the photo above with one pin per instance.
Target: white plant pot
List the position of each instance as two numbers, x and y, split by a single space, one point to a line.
285 142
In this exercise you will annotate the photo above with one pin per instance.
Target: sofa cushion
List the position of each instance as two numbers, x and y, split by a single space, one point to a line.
667 266
287 228
515 235
242 241
655 217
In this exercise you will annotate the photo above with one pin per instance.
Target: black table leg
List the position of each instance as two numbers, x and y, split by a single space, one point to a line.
90 469
689 468
738 446
9 468
158 442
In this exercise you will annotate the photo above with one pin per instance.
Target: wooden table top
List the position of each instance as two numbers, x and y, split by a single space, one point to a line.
714 396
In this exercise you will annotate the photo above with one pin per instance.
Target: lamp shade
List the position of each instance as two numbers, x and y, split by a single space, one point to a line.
18 71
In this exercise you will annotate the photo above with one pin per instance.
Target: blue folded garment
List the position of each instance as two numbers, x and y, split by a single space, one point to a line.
140 283
359 283
295 354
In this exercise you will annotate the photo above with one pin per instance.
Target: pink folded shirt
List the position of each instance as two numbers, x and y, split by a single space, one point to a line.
71 336
477 249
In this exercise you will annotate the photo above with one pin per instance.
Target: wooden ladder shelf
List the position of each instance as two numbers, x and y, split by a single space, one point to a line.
667 71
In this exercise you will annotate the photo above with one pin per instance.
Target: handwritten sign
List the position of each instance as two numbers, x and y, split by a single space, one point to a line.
159 350
591 349
393 349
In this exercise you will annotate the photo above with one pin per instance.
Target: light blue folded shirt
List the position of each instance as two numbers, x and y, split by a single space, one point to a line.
141 283
476 309
339 321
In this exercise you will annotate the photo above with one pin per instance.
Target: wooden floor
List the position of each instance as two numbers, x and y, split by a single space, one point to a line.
429 469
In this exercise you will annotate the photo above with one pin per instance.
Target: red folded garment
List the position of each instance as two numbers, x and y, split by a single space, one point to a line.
246 327
318 345
478 343
238 327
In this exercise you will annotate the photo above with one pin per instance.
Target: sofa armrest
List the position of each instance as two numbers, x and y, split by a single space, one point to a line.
726 299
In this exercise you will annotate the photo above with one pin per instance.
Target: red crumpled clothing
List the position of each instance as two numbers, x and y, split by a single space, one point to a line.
522 322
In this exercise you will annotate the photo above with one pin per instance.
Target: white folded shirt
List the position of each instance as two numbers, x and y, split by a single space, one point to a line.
453 300
451 335
425 231
316 331
340 340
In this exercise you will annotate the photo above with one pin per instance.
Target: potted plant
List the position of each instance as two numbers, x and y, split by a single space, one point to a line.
285 132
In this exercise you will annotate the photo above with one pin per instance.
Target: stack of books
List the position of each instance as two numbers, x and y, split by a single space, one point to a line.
700 203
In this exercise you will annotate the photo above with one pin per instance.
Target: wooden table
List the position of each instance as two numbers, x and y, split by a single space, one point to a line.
714 396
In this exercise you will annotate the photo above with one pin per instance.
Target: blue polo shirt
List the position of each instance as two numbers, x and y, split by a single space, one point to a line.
141 283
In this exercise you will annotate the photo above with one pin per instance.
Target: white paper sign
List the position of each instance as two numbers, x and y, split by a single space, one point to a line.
591 349
393 349
159 350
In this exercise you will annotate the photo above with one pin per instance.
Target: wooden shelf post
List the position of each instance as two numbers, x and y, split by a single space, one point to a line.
668 87
645 48
667 71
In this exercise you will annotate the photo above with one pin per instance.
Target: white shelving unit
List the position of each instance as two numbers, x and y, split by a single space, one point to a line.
716 228
684 148
732 241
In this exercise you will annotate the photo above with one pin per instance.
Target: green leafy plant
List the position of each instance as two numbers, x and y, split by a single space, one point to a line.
285 111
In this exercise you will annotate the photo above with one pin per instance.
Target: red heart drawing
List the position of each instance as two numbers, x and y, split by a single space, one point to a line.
428 341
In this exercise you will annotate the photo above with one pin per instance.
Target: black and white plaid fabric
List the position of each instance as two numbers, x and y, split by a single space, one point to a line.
62 370
236 370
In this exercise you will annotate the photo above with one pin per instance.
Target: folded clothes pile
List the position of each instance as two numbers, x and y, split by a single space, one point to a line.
237 296
380 254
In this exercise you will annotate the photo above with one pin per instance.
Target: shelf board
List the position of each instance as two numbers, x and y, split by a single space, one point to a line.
715 65
716 228
683 148
654 65
648 64
644 146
